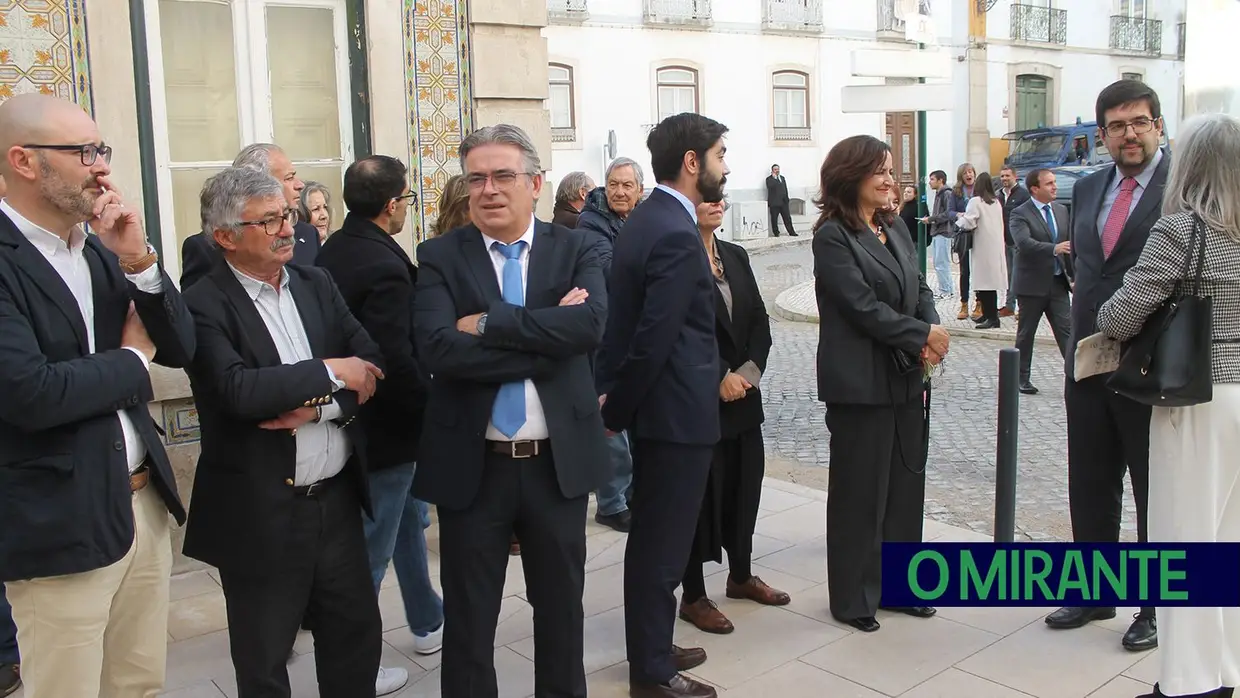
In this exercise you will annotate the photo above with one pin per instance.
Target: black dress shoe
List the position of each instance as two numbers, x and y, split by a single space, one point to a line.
679 687
866 624
915 611
1142 635
1028 389
687 658
620 521
10 679
988 325
1073 617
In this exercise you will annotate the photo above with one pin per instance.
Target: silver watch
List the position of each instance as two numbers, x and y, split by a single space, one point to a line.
482 324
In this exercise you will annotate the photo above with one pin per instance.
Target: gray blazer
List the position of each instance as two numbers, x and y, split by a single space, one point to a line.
1152 280
1034 263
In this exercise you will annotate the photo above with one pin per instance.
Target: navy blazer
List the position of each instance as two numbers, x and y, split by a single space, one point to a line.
65 501
199 254
541 341
660 367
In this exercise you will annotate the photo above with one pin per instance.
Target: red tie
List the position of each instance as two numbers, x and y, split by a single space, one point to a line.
1118 215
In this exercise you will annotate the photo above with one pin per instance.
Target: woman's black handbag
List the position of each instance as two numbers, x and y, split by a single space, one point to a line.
1168 363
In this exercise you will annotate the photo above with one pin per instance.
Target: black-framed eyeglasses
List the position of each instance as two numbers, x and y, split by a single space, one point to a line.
89 152
272 226
411 197
1140 125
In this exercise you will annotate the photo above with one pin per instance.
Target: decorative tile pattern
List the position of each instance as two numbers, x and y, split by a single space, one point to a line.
437 87
43 49
180 422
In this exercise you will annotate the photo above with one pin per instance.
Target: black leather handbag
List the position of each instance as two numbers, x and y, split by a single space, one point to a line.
1168 363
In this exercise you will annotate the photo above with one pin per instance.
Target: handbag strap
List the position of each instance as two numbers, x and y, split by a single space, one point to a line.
1199 238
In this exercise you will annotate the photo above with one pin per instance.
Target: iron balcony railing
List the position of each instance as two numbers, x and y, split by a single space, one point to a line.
1136 35
793 15
572 10
1044 25
887 19
684 12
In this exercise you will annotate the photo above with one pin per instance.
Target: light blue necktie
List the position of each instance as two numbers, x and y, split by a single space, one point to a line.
1050 223
508 414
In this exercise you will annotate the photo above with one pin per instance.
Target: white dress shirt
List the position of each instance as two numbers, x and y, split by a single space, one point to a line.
69 261
535 427
323 447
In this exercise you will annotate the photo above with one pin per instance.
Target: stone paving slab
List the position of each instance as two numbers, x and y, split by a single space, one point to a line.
797 651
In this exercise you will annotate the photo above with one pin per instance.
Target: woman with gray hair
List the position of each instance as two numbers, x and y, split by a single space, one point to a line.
316 209
1194 472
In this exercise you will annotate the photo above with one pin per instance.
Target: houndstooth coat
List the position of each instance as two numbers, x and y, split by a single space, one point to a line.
1152 280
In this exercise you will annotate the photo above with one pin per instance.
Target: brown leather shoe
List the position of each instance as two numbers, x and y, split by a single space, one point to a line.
757 590
706 616
679 687
964 311
1006 312
687 658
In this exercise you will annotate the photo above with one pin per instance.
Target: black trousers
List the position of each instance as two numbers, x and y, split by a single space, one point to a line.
668 483
776 213
325 573
1108 434
965 272
1057 309
989 300
876 492
520 495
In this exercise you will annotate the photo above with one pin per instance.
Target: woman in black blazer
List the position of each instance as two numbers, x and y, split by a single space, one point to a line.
877 327
730 505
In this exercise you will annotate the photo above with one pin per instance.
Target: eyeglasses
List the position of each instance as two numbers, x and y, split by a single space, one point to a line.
503 180
412 197
273 226
88 152
1140 125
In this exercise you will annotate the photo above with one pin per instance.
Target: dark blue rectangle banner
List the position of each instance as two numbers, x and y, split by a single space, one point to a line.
1061 574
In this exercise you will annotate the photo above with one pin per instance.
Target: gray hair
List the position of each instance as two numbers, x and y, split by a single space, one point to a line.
1204 178
503 134
225 195
571 186
626 162
256 156
314 188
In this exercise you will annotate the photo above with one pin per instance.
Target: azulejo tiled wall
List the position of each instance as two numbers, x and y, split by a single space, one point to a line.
43 49
437 86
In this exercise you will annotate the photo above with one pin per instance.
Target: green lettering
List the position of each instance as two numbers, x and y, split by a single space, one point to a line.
1143 578
1037 577
1102 568
970 577
1073 576
1014 591
1166 575
944 575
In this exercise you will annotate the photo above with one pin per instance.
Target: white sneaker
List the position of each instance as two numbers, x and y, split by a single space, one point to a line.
429 644
390 680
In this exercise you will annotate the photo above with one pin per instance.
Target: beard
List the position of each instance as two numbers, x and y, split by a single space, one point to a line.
1133 158
710 188
71 200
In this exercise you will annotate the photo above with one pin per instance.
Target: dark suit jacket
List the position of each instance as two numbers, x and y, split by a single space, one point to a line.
942 223
1034 265
541 341
376 279
776 191
870 302
1019 196
1098 277
65 502
243 488
660 366
199 254
745 336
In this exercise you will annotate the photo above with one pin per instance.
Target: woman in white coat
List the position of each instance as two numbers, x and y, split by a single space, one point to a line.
983 219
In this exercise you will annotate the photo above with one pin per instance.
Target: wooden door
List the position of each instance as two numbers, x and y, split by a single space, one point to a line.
902 137
1031 102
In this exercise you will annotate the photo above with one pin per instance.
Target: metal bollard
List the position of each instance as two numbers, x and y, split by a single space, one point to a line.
1005 452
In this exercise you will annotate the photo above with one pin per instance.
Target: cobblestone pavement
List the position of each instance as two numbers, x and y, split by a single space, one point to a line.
960 471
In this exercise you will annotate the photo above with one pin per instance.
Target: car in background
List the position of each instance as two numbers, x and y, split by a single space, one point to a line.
1066 178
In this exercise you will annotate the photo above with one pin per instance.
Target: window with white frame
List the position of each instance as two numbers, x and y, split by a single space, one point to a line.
1132 8
1132 76
228 73
678 91
790 90
560 104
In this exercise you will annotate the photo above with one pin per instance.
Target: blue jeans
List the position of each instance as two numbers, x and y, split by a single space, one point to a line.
397 534
613 495
942 247
8 632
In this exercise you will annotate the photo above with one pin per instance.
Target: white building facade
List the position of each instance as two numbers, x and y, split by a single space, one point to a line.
773 71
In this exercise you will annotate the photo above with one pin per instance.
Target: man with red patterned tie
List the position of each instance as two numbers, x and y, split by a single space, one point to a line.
1112 213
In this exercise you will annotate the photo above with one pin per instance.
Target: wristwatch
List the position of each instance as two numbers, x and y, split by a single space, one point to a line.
482 324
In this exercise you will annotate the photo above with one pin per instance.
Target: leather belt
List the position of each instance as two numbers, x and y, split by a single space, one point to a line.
139 478
314 488
520 449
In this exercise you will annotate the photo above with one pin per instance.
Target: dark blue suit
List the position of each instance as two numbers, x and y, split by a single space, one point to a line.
660 370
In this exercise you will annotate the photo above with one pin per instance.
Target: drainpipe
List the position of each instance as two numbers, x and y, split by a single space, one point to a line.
146 126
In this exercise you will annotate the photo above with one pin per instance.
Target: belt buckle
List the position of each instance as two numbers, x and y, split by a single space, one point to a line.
518 453
312 488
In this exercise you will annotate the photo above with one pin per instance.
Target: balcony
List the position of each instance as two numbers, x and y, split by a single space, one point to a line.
1039 25
792 15
1181 45
890 25
1136 35
793 133
571 11
678 13
565 134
